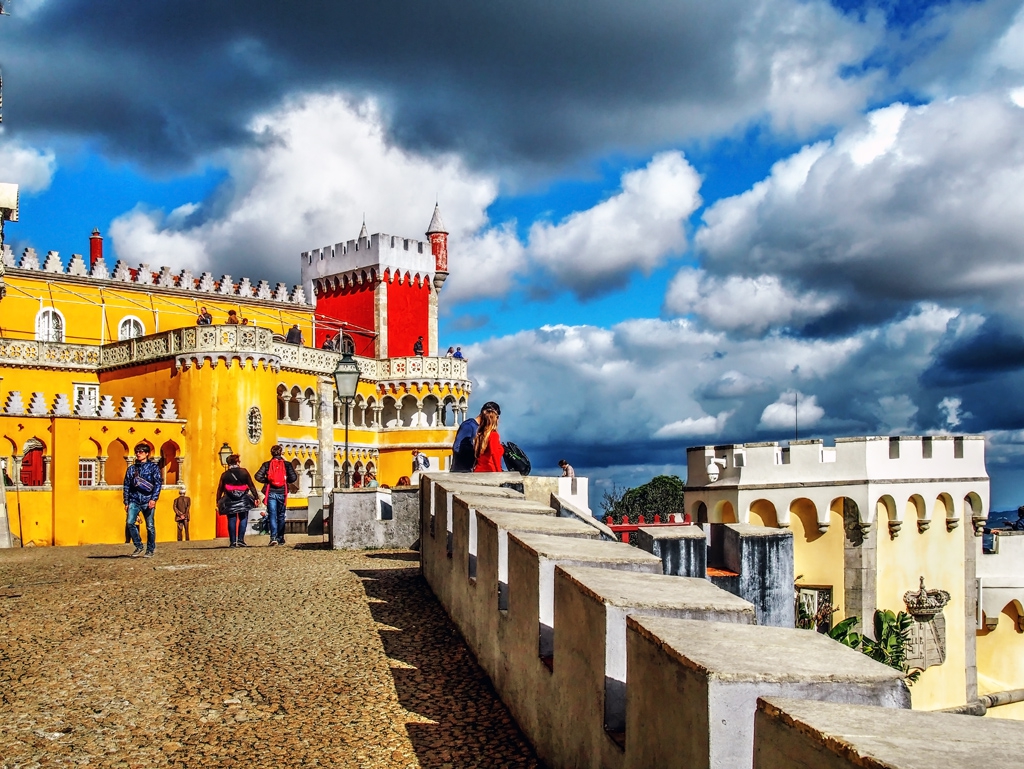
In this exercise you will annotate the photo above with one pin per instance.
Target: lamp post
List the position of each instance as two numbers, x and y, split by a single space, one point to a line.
225 452
346 379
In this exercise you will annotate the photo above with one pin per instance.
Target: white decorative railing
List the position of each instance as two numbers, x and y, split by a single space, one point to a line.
18 352
225 342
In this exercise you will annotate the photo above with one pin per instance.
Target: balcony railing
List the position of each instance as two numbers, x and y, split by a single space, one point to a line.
221 341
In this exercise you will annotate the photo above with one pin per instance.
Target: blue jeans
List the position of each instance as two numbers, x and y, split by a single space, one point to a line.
276 515
149 513
240 522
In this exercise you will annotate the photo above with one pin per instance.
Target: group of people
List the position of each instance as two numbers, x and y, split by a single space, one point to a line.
237 494
204 318
361 480
455 352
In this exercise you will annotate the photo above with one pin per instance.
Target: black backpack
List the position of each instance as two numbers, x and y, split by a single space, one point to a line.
516 459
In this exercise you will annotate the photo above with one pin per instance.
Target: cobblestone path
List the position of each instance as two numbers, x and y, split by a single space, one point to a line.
210 657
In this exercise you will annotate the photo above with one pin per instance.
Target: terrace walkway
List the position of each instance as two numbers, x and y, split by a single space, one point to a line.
294 656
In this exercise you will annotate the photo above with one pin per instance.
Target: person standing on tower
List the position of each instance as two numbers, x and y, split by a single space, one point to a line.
417 347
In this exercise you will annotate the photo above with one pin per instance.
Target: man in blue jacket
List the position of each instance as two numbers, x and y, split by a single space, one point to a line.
463 456
142 484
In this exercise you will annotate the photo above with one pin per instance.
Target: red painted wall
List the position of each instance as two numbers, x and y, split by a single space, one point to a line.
408 310
353 305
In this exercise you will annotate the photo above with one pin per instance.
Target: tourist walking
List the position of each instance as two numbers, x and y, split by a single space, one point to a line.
236 496
276 474
182 513
567 470
487 446
294 335
463 454
142 484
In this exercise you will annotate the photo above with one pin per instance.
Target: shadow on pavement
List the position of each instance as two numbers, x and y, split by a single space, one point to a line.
436 677
413 557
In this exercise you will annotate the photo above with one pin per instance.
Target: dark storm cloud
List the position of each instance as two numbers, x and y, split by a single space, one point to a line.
995 348
530 80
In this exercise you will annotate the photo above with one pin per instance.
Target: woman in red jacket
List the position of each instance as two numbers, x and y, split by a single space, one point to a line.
487 444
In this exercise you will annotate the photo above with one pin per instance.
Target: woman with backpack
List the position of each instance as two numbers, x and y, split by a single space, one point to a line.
236 496
487 444
276 474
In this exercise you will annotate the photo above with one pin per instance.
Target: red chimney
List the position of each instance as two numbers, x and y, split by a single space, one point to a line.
95 247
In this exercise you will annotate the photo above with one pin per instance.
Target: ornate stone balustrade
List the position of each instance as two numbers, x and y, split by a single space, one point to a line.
198 345
19 352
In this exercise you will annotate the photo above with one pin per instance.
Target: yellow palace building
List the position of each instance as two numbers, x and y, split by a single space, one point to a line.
94 361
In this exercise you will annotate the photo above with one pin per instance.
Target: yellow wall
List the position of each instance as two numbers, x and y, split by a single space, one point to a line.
68 514
938 555
1001 662
818 557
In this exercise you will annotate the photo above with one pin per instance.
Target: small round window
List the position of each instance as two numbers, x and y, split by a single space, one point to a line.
254 424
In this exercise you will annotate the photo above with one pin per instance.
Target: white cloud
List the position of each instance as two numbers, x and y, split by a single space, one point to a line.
691 426
614 390
591 251
792 410
749 305
320 164
910 205
803 49
30 168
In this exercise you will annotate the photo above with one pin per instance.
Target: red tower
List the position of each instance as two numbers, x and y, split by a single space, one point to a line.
379 291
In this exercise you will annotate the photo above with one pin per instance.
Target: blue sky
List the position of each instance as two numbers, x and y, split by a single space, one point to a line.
665 223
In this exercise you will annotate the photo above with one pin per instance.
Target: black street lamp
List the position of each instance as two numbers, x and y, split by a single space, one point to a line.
225 452
346 379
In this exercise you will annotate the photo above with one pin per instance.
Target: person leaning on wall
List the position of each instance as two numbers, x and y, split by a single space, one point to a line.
463 453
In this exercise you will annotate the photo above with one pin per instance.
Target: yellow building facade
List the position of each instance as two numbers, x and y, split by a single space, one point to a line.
93 362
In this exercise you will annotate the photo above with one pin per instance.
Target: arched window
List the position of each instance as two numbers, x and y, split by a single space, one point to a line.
129 328
49 326
347 344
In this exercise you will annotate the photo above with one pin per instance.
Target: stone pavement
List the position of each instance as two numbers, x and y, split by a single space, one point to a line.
294 656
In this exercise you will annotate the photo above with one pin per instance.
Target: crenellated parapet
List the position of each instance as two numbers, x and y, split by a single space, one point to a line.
369 259
143 275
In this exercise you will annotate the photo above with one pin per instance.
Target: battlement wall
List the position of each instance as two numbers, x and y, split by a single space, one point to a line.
603 660
850 460
379 252
143 276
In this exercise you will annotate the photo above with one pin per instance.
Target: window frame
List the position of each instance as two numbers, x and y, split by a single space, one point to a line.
130 319
62 330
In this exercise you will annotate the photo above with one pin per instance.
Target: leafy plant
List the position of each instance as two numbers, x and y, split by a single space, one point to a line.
889 646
